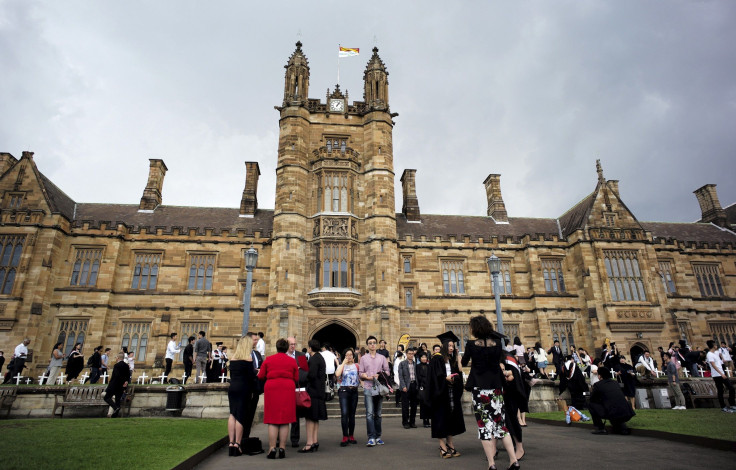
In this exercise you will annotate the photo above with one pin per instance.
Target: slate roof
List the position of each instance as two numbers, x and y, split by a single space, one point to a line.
445 226
58 200
731 214
690 232
577 216
167 217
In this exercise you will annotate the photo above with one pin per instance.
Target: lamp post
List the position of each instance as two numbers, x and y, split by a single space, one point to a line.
251 257
494 266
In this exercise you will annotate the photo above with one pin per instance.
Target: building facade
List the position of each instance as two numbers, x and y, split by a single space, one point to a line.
337 263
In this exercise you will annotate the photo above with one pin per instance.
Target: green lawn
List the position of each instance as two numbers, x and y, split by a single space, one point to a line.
149 443
706 422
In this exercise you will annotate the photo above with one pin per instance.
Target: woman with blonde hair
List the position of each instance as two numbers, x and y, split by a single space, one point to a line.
242 381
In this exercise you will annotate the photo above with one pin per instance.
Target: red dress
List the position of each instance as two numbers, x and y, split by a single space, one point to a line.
279 399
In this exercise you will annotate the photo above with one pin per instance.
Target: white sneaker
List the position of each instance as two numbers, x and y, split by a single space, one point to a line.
727 410
733 408
681 407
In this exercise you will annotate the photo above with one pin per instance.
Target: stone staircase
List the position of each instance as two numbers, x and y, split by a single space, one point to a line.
389 407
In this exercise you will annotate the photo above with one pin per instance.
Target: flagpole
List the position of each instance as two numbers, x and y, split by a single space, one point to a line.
338 64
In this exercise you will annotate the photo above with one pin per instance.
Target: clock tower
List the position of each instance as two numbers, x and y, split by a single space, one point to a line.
334 226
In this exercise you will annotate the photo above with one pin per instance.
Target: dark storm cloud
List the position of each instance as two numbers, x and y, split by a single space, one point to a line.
535 91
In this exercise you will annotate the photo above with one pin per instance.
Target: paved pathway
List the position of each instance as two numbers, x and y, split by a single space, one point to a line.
547 447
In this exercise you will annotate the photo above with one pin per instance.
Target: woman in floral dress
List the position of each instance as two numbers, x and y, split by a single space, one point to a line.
485 381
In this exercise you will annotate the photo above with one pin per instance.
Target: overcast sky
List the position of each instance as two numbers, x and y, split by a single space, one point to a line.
535 91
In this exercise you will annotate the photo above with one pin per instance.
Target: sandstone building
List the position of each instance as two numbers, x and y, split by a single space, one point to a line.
335 260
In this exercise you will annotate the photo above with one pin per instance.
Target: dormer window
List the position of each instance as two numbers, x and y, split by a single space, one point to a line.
610 219
14 200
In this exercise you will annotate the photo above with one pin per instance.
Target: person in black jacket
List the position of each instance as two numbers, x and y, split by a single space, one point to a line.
486 382
425 412
316 390
557 357
95 364
607 401
446 391
188 358
117 385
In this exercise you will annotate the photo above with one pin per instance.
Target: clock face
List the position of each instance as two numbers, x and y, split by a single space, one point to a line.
337 105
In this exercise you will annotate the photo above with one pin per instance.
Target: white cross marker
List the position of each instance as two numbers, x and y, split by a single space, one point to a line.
17 378
687 374
727 371
28 380
83 378
104 377
163 378
61 378
142 379
223 377
700 370
203 378
183 377
551 375
42 378
658 372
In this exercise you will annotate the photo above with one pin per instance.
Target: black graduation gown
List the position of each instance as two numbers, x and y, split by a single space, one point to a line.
423 384
447 420
514 397
577 386
74 365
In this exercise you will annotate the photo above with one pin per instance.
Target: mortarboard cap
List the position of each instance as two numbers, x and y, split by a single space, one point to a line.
498 336
448 336
219 343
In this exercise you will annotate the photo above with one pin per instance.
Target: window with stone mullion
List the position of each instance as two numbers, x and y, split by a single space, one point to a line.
201 271
335 260
334 192
624 276
11 247
552 273
665 270
709 280
145 272
453 278
86 267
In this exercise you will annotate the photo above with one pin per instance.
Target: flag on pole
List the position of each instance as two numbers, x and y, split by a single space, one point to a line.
348 51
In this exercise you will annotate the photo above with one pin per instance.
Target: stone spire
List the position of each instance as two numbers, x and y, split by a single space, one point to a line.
375 80
249 202
296 83
411 202
599 169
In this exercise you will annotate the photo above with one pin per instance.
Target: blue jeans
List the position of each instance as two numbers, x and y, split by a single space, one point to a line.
348 405
373 414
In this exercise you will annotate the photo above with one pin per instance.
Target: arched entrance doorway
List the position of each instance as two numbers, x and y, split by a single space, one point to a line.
337 335
636 350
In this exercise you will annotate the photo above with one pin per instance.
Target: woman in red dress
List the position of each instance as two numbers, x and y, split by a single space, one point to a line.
279 397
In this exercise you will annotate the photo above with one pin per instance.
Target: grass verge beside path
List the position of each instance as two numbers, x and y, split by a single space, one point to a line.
146 443
707 422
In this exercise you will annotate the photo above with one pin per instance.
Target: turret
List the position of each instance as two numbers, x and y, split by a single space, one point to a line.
375 78
296 83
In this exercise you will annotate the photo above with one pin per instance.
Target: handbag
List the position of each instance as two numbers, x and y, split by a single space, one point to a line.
303 400
384 385
329 391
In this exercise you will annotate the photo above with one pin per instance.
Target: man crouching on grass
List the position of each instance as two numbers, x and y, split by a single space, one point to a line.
117 385
607 401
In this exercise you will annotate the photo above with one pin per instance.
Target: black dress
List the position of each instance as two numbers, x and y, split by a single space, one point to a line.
74 365
447 412
316 388
242 379
423 384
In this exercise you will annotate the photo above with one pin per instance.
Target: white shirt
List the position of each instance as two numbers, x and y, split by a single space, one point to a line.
261 347
725 355
396 369
593 375
648 363
714 358
21 351
171 350
329 361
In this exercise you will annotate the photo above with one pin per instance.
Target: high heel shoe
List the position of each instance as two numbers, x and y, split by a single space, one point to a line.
237 451
445 454
231 450
282 453
304 449
453 451
515 466
315 446
272 454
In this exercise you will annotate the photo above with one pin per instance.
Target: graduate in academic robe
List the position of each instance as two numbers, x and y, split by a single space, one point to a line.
446 391
425 404
214 370
515 398
75 363
575 383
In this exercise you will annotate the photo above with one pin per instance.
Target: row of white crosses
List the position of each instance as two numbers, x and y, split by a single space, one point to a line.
140 380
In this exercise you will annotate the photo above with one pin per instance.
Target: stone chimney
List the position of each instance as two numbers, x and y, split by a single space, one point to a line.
152 194
496 207
249 203
710 206
410 209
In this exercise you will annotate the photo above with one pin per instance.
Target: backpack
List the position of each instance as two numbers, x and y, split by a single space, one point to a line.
89 361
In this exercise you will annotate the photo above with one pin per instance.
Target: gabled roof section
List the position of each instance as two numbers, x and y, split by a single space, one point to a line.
577 217
697 232
731 214
54 200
